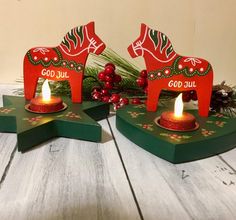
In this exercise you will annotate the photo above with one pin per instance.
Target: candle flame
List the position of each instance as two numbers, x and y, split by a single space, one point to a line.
46 92
179 106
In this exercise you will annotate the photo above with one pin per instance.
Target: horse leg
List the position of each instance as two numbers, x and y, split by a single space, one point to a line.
76 87
152 96
30 83
204 98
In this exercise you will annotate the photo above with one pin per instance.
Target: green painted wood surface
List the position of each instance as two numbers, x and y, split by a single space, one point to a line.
77 121
216 134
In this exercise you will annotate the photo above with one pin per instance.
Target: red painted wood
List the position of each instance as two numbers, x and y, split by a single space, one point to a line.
171 71
64 62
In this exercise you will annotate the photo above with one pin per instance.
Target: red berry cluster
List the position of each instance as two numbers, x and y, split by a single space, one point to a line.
142 80
189 95
109 79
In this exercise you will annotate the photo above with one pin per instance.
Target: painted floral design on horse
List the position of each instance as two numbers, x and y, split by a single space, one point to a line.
52 56
44 56
191 66
188 66
169 70
63 62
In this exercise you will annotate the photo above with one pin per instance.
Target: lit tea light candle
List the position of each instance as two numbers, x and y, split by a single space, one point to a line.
179 107
46 103
178 120
46 92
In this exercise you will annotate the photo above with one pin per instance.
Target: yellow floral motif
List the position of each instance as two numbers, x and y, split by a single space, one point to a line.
219 115
6 110
175 137
146 126
207 133
220 124
70 115
33 120
135 114
140 106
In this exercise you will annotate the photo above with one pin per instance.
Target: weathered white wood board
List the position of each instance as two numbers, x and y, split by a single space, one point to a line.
68 179
7 149
8 89
201 189
230 157
7 141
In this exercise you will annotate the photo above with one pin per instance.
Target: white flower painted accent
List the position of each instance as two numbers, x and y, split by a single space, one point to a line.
167 71
42 50
192 60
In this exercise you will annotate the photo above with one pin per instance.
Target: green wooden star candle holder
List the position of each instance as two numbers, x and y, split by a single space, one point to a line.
77 121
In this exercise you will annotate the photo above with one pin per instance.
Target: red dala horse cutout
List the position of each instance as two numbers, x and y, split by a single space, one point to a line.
169 70
64 62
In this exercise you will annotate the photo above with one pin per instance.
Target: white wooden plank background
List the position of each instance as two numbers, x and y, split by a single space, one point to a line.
73 179
230 158
203 189
7 141
7 150
68 179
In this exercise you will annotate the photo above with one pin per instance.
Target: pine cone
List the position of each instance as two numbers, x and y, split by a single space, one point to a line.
221 96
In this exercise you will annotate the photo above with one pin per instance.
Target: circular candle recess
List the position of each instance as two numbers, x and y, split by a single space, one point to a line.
38 105
186 122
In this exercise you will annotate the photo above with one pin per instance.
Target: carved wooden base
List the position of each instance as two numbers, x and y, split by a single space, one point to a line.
215 134
77 121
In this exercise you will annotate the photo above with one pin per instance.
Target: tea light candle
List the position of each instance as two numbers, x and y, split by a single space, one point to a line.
46 103
178 120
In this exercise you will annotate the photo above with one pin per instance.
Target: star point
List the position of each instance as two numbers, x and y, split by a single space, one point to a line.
78 121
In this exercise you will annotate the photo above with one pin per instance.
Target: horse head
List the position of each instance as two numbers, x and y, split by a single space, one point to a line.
152 44
82 39
136 48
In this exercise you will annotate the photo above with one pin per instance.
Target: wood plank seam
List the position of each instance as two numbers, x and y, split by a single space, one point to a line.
224 161
201 193
126 173
4 175
184 175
